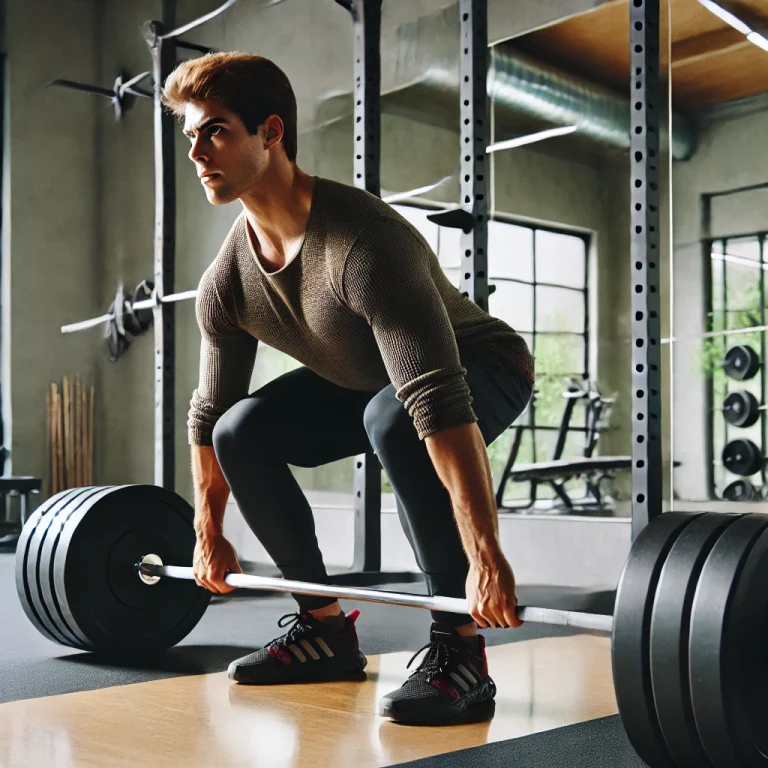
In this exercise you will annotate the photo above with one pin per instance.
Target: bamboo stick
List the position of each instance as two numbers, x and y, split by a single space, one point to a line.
59 442
77 436
67 435
90 435
49 425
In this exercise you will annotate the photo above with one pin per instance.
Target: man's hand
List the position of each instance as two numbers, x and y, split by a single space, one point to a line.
491 594
214 557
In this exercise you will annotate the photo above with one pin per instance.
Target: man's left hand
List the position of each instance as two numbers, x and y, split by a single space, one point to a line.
491 594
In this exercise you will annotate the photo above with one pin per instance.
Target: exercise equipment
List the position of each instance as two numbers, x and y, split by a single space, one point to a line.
742 457
740 490
102 569
741 362
741 409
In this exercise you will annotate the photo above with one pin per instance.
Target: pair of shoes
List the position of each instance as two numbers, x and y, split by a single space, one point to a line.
310 651
451 684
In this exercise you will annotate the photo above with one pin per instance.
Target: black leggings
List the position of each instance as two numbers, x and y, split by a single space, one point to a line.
305 420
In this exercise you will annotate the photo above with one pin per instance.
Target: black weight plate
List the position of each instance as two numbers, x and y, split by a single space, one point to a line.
741 362
98 586
742 457
47 551
34 578
741 409
670 624
26 561
630 648
740 490
727 648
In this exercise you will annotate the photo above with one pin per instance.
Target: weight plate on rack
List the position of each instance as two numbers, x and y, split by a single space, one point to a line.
742 457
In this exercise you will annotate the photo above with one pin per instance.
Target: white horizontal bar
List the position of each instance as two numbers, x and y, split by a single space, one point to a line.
717 334
531 138
586 621
143 304
81 326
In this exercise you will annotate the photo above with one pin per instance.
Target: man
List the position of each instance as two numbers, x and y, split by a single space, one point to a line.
334 277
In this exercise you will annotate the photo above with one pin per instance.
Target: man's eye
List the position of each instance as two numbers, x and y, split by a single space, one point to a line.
214 130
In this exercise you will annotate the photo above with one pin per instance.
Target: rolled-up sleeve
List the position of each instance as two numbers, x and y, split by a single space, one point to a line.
227 356
387 279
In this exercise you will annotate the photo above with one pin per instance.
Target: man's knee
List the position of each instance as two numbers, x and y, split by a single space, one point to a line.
240 425
387 422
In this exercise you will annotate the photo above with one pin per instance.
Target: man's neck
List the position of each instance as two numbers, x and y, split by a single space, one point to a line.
278 212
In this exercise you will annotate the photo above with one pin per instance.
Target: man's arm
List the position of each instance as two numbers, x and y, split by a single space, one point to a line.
211 492
461 461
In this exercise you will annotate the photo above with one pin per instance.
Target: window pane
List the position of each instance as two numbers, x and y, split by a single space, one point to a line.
560 259
561 355
743 248
558 309
742 295
510 251
549 401
513 303
418 217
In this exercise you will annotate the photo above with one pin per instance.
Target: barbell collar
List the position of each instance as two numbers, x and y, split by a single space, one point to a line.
148 568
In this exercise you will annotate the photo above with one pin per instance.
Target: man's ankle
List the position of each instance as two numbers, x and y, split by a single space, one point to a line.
326 612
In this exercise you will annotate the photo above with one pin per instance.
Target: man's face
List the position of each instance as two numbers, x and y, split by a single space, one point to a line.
229 161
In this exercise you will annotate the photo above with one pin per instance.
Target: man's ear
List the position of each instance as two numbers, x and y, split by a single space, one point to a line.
274 129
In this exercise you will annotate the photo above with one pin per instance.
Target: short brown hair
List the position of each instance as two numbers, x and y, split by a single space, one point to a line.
252 87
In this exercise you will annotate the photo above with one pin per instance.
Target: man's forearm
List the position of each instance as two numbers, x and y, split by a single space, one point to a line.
211 491
461 460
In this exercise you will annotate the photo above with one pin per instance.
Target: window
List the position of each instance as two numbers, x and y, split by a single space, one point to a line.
540 275
738 285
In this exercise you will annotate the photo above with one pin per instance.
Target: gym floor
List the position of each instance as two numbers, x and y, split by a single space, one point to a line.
61 707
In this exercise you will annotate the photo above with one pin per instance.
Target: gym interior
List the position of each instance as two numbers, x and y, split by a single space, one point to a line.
616 216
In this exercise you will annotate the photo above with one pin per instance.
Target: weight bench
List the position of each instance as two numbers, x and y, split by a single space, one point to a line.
558 470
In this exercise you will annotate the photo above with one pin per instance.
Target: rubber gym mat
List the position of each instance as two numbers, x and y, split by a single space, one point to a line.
599 743
32 666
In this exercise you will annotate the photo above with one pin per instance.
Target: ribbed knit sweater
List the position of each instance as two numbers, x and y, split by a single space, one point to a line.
364 304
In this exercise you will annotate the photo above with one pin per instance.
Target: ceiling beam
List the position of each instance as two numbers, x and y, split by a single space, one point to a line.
692 50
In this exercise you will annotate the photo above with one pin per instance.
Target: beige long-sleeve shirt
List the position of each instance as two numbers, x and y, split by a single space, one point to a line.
364 304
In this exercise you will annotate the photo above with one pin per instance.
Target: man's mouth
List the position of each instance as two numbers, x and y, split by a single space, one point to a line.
207 177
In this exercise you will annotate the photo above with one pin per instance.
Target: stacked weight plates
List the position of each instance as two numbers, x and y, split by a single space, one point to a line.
689 655
76 571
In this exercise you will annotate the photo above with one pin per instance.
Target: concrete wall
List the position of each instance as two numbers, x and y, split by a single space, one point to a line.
51 213
102 223
731 154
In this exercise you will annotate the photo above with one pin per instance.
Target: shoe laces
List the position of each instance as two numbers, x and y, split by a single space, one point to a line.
299 628
436 661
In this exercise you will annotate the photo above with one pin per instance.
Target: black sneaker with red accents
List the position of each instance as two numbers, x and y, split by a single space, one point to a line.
310 651
451 685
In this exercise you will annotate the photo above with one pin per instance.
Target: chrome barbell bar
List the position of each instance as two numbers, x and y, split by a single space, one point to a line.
151 570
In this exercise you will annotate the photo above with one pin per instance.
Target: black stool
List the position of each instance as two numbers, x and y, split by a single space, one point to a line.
21 486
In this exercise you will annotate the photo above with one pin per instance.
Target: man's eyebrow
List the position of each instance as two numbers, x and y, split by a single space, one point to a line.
205 124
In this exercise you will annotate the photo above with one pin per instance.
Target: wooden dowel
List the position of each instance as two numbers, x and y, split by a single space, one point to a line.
59 442
77 432
49 418
67 434
90 435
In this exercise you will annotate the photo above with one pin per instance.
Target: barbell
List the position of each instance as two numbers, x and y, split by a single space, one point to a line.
102 569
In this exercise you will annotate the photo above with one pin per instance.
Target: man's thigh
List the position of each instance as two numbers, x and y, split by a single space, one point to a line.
308 420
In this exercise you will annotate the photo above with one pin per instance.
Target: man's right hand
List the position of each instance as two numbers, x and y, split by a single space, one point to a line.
214 558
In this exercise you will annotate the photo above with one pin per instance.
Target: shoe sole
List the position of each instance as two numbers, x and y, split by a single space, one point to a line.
277 676
476 713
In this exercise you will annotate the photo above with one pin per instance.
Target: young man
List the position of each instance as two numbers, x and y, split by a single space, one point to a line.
334 277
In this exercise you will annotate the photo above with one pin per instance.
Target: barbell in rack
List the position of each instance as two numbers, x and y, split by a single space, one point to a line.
102 569
151 303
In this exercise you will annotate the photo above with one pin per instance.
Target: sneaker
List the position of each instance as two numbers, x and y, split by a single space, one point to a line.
451 685
308 652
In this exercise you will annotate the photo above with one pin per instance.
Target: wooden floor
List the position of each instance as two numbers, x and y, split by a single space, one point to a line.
208 721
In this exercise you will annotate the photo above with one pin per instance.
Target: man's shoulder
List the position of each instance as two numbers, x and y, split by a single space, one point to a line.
357 219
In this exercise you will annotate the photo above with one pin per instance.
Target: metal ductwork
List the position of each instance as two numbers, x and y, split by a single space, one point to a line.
524 85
